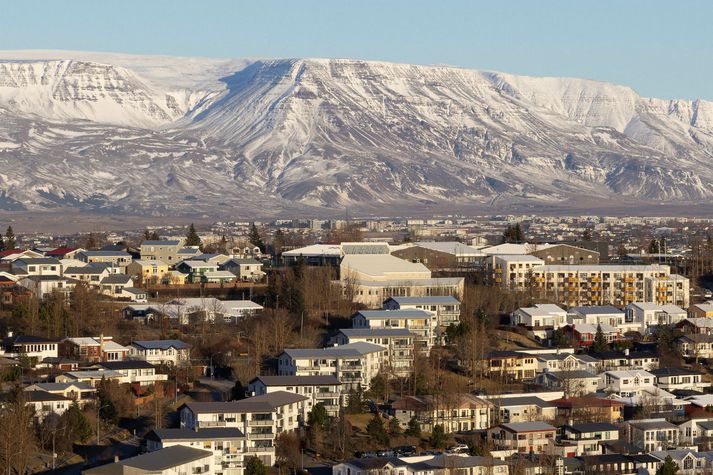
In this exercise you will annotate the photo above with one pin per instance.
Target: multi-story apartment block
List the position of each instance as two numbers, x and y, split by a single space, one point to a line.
455 412
261 419
446 308
399 343
524 437
354 365
421 323
514 271
228 444
325 390
150 270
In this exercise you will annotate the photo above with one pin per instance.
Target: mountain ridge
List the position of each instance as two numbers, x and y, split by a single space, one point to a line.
317 135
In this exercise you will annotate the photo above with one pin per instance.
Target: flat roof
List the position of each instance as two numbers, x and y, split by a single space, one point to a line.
351 350
382 265
298 380
433 299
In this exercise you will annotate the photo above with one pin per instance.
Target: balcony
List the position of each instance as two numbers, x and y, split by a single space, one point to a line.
260 449
205 424
629 279
261 436
572 280
260 422
326 395
596 279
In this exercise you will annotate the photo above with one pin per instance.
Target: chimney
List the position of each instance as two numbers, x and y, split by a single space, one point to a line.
101 347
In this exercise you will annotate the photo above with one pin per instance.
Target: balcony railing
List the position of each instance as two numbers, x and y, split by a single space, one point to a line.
260 422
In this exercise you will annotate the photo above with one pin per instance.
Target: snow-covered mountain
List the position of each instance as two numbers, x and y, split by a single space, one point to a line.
161 135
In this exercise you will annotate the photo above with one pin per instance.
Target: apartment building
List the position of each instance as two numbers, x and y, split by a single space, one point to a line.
399 343
164 250
354 365
514 271
524 437
228 444
423 324
446 308
455 412
511 365
260 418
325 390
119 259
619 285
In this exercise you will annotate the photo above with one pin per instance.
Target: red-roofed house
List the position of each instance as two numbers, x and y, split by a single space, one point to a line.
63 252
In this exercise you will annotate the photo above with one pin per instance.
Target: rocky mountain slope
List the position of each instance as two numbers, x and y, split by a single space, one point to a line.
157 135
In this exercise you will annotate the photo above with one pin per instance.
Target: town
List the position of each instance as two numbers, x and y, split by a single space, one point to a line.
502 344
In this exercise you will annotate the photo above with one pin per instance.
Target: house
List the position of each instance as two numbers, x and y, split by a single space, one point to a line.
650 315
399 343
228 445
35 348
114 285
613 463
618 360
455 412
194 309
173 277
586 438
626 383
173 460
601 315
584 334
565 360
522 408
325 390
218 277
247 270
589 409
421 323
45 403
260 418
140 372
511 365
695 346
63 252
524 437
574 383
81 393
90 274
90 376
700 325
701 310
148 270
142 313
355 364
164 250
446 308
651 435
135 294
31 266
93 349
236 310
542 320
689 462
673 379
119 259
195 269
158 352
697 431
423 465
43 286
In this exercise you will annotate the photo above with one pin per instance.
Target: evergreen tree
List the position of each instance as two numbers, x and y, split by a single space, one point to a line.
318 416
376 430
254 466
559 339
438 437
255 238
192 237
237 392
355 401
394 427
91 242
414 428
513 233
10 242
600 343
76 423
2 243
587 234
668 467
654 246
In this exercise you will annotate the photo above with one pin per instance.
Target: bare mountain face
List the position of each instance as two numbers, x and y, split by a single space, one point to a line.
157 135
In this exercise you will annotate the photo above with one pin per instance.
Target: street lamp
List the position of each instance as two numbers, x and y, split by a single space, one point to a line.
99 408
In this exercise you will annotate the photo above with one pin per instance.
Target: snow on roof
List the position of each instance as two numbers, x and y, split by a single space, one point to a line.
450 247
330 250
382 265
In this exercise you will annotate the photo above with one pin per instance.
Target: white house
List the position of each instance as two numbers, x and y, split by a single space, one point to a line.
422 323
446 308
140 372
157 352
651 315
173 460
672 379
399 343
541 319
45 403
325 390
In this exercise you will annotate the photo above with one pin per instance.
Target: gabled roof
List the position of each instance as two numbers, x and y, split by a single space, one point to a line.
210 433
160 344
263 403
153 462
41 396
432 300
116 279
298 380
129 364
161 242
381 314
352 350
533 426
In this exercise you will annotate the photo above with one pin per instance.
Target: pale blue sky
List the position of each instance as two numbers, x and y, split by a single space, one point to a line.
660 48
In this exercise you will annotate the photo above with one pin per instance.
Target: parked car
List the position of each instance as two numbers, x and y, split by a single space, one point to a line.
406 450
458 448
385 453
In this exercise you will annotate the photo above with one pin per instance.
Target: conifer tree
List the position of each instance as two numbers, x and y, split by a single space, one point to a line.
10 241
192 237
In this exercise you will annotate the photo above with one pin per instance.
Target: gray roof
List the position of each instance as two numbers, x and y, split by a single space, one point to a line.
84 270
116 279
651 425
161 344
577 373
408 313
594 427
527 426
37 396
435 300
105 253
159 460
660 372
263 403
211 433
39 260
352 350
128 364
596 310
82 386
523 401
298 380
161 242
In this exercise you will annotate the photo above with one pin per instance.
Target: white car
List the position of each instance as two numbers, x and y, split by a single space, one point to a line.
458 448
